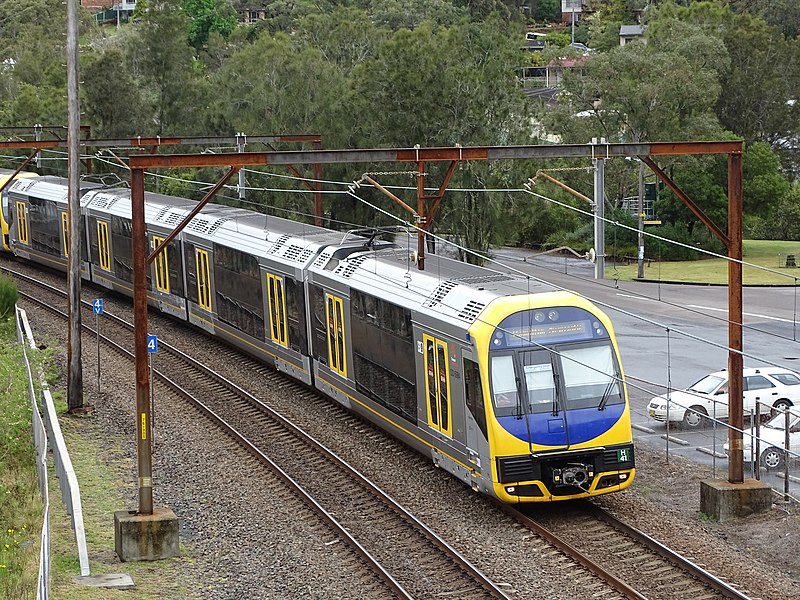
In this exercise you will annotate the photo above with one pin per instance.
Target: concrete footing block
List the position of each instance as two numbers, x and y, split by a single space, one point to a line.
723 501
146 537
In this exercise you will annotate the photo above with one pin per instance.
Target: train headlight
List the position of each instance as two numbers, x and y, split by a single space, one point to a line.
538 317
511 489
553 315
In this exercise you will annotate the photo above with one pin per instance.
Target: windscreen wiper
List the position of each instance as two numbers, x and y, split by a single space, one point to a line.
606 394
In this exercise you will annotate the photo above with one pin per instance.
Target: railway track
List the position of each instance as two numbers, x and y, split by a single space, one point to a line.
606 545
616 560
369 521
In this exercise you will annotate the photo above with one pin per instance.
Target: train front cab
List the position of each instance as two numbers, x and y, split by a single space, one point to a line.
558 421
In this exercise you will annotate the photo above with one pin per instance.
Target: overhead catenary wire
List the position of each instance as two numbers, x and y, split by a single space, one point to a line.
485 258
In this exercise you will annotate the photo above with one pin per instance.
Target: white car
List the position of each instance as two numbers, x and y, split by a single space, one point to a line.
772 441
772 386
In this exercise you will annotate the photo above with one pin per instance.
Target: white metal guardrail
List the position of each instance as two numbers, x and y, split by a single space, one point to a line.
46 430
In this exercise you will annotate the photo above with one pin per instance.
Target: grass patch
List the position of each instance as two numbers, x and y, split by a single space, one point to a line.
769 254
20 502
104 474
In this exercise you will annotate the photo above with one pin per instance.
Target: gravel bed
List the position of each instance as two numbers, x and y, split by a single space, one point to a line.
247 545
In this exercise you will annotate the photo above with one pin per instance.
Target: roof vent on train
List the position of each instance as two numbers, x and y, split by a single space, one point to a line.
440 292
204 225
104 200
293 252
168 216
471 311
278 243
346 269
497 277
322 259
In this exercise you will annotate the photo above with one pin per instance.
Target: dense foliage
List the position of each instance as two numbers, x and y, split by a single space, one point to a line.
372 73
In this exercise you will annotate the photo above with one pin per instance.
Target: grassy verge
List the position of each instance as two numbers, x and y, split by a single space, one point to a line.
20 503
104 474
769 254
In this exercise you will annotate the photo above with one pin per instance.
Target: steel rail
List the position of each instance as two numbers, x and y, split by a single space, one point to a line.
678 560
295 487
611 579
455 556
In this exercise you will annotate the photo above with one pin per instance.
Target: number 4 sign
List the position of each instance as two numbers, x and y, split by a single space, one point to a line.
152 343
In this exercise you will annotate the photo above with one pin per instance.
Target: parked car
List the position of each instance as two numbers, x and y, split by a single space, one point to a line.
773 386
582 47
772 441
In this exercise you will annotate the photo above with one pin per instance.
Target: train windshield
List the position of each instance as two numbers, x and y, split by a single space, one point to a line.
567 377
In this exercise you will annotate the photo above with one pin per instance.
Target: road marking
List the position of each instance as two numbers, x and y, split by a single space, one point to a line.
725 310
637 297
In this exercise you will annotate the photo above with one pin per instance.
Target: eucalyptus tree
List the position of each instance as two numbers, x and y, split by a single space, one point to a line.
437 86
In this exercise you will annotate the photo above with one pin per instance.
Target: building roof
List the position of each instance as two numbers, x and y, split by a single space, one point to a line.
631 31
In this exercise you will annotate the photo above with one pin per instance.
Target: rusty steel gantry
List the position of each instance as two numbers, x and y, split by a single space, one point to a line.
425 214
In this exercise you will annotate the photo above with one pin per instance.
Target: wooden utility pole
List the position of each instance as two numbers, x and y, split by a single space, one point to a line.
75 383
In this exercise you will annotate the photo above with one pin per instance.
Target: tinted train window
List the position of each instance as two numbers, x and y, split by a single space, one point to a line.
240 301
296 315
474 392
383 353
45 226
121 243
319 326
191 272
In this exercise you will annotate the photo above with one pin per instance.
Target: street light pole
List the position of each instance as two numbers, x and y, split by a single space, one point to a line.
640 267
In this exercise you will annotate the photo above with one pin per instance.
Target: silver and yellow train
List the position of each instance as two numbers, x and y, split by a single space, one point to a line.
514 387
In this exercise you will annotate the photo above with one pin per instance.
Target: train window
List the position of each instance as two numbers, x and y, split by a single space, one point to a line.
296 315
22 222
161 266
437 382
319 326
590 376
191 272
474 393
203 279
277 309
102 240
65 233
505 396
238 290
121 240
540 381
383 358
44 226
334 312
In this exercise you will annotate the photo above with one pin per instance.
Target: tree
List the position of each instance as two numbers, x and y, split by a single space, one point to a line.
207 16
761 76
163 59
346 37
107 80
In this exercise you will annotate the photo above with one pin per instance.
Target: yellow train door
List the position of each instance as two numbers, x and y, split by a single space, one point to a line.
277 309
65 233
203 279
337 355
161 266
103 245
22 223
437 385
